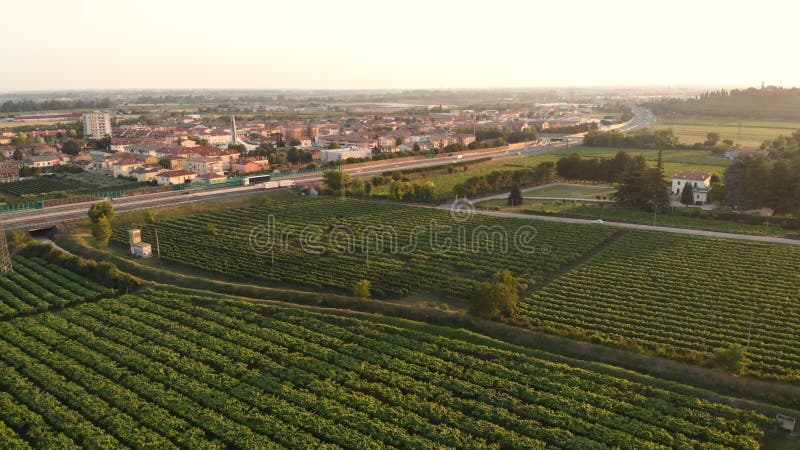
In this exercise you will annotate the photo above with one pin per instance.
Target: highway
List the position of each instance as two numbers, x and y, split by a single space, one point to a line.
642 118
49 217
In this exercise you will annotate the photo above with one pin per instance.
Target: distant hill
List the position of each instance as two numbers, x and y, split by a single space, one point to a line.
769 103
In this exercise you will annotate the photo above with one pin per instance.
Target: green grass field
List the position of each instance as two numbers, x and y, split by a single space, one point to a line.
570 191
746 133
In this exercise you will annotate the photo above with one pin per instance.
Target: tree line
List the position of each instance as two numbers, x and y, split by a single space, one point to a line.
501 180
767 103
51 105
639 185
755 182
596 170
783 146
771 181
573 129
510 135
649 139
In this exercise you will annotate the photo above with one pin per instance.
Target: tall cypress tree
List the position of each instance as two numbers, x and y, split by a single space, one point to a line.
687 195
515 197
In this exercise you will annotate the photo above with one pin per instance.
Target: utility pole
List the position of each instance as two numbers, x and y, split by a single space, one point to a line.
158 247
6 265
655 209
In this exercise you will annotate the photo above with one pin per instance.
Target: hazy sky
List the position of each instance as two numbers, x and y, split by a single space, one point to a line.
57 44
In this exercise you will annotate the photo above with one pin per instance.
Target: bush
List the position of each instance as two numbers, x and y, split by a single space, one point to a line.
361 289
733 359
101 231
497 299
17 239
211 229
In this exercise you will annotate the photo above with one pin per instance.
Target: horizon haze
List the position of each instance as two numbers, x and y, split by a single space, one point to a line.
354 44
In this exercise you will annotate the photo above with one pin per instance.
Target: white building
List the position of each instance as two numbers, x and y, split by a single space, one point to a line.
175 177
96 125
42 161
139 249
700 182
344 153
217 139
201 165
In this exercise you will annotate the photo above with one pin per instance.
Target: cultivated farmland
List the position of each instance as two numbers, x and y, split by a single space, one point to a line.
678 296
37 186
682 297
169 370
743 132
403 250
36 285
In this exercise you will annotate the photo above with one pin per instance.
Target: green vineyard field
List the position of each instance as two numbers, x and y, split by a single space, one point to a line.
37 186
317 254
678 296
168 370
682 296
36 285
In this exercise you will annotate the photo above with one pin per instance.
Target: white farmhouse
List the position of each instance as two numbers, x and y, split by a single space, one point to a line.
700 182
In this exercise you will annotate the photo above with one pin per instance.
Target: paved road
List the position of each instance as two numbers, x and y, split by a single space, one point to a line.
642 118
47 217
717 234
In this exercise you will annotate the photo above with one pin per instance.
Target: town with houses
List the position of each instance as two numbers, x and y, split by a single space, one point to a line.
177 148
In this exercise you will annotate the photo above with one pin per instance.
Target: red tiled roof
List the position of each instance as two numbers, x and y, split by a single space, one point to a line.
175 173
693 175
211 176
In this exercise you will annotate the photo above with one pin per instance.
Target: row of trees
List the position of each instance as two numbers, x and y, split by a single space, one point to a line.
51 105
510 135
572 129
757 181
424 192
783 146
640 186
605 170
337 182
501 180
766 103
754 182
652 139
275 157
